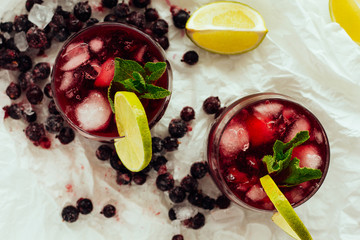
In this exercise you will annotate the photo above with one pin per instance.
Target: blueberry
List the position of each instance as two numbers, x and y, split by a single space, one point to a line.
208 203
160 27
171 144
35 131
52 108
190 57
70 214
157 162
111 18
25 63
84 205
7 27
61 12
57 21
108 211
48 91
140 3
157 144
10 44
9 59
189 184
109 3
172 214
180 19
82 11
54 123
41 71
165 182
91 22
21 23
14 111
116 163
62 34
13 91
177 237
222 202
177 128
163 41
34 94
30 116
122 10
139 178
74 24
36 38
103 152
151 15
195 198
123 178
177 194
197 221
66 135
187 114
25 80
211 105
199 169
137 19
30 3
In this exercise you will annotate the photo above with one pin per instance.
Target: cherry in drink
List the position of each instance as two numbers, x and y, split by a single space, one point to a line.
84 69
246 132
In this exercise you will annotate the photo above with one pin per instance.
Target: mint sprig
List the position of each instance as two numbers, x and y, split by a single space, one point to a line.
281 163
131 76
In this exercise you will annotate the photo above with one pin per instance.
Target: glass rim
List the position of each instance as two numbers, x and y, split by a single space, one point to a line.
163 106
218 127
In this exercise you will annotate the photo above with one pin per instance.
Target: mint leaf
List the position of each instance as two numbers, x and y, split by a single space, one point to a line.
130 85
155 92
139 82
297 175
282 153
154 71
124 69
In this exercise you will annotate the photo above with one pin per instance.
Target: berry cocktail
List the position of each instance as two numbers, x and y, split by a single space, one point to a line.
84 69
246 132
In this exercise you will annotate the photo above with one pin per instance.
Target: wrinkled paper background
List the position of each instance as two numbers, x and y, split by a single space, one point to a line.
304 55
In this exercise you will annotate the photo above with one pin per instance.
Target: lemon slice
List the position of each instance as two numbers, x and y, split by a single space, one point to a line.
134 147
347 14
286 218
226 28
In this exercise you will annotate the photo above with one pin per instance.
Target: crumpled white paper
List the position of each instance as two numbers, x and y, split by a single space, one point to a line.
304 55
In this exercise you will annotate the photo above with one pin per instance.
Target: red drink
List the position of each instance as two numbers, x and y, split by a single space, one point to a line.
246 131
84 69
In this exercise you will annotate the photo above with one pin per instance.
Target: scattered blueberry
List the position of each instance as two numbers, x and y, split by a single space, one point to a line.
61 12
25 80
123 178
165 182
108 211
139 178
211 105
171 144
160 27
103 152
66 135
48 91
122 10
9 59
10 44
84 205
157 144
25 63
172 214
157 162
151 15
14 111
177 128
13 91
222 202
109 3
177 237
140 3
137 19
180 18
187 114
54 123
7 27
116 163
163 41
35 131
62 34
21 23
52 108
208 203
74 24
82 11
91 22
70 214
189 184
177 194
30 116
190 57
111 18
36 38
199 169
41 71
195 198
34 94
196 222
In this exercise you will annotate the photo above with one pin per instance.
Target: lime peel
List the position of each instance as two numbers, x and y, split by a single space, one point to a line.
289 219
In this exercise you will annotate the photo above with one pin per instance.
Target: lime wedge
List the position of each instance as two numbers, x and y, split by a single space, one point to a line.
226 28
134 147
286 218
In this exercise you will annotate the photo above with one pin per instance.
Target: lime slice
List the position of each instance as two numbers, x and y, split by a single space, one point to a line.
347 14
286 218
134 147
226 28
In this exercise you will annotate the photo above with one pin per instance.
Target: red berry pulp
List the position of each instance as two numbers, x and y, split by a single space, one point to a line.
246 132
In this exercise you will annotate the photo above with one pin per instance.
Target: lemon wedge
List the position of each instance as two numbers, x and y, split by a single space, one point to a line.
226 28
286 217
134 147
347 14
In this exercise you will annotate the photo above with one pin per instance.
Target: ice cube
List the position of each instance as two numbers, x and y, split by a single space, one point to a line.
94 112
256 193
301 124
76 55
96 45
67 80
308 155
41 15
268 111
20 41
295 195
184 212
139 55
289 115
67 5
234 140
317 135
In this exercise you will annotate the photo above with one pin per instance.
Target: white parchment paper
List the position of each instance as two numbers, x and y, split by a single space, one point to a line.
304 55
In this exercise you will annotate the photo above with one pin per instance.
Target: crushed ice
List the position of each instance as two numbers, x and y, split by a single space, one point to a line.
41 15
